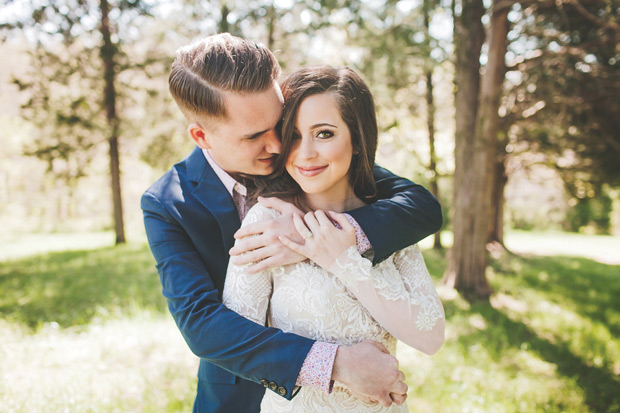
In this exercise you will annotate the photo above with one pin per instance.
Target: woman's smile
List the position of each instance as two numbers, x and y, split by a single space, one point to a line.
311 171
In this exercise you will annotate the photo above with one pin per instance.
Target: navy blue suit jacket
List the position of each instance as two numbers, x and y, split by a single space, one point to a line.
190 220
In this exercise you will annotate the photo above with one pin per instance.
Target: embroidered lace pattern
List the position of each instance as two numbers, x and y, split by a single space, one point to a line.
352 302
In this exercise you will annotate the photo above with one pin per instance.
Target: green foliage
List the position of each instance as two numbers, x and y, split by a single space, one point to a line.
564 81
75 287
590 212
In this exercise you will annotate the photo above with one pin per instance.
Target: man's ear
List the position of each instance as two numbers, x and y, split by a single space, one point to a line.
199 135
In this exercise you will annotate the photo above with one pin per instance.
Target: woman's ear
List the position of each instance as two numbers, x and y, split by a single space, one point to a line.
199 135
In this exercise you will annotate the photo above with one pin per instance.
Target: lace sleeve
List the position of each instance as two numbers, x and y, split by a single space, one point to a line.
399 293
248 294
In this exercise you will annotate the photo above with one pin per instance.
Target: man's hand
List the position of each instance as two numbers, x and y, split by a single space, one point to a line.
370 372
258 243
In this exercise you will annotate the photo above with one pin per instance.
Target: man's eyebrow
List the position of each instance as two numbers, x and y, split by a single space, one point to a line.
255 135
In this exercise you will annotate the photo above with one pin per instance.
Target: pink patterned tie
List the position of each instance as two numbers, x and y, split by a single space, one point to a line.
239 200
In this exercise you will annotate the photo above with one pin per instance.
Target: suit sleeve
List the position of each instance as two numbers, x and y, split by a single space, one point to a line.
212 331
404 214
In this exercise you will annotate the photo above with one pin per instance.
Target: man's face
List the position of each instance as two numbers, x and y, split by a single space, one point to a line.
247 142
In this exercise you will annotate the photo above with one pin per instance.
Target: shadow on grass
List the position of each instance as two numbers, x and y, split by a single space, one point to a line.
590 287
73 287
600 386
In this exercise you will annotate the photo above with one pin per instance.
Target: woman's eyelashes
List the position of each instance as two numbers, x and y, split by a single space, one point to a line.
324 134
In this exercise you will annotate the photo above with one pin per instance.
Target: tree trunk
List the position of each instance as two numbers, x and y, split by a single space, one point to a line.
496 232
468 259
107 53
271 26
223 26
430 118
491 92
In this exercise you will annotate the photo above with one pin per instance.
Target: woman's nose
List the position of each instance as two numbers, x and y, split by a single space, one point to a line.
306 148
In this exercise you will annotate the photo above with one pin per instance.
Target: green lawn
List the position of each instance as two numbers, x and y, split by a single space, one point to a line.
87 330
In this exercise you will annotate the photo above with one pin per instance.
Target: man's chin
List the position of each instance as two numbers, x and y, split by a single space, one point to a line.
263 170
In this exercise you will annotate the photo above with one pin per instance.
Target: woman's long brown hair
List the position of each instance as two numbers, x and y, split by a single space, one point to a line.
357 110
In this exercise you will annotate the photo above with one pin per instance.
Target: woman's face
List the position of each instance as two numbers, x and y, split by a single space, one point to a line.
321 151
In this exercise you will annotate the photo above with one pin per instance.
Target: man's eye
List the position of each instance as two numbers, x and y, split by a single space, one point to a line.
296 136
324 134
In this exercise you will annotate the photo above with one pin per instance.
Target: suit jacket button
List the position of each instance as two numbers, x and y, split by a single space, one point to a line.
273 386
264 382
281 391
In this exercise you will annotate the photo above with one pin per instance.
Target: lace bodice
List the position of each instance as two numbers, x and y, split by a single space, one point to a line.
351 302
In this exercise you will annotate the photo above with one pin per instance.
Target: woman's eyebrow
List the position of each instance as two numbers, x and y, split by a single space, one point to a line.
318 125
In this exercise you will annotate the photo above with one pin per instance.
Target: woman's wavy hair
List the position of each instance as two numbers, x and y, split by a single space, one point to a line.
357 109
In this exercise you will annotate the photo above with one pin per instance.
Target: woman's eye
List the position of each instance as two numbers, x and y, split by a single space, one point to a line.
324 134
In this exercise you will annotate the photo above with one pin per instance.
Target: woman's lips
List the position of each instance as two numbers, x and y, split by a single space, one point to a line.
310 171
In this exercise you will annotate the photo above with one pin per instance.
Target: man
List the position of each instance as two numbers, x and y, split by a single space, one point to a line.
226 87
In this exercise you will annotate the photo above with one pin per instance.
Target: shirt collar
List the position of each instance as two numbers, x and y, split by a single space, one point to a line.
228 181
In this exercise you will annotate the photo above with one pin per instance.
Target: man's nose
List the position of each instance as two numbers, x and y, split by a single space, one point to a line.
272 143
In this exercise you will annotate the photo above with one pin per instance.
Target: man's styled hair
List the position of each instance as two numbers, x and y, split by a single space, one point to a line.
216 64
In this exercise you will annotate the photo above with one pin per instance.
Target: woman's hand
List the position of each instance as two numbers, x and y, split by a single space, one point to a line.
323 241
257 243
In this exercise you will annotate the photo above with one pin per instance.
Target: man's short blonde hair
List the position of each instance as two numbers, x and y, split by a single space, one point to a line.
218 63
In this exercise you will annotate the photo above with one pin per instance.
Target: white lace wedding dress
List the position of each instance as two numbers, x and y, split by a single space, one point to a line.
352 302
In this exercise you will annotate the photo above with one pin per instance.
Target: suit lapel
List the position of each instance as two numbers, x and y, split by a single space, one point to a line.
212 193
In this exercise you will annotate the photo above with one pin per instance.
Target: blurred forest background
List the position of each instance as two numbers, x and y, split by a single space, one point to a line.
509 111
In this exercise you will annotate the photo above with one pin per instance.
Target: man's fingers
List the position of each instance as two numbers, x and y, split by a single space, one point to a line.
262 265
298 248
386 401
398 399
279 205
251 229
380 346
247 245
252 256
399 387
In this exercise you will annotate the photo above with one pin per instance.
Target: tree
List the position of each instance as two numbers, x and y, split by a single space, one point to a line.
489 122
71 98
430 112
562 101
108 52
468 258
398 57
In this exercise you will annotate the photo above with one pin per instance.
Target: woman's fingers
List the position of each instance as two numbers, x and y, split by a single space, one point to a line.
312 223
341 220
322 219
301 227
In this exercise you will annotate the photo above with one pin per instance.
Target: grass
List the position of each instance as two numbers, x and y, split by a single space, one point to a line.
548 341
87 331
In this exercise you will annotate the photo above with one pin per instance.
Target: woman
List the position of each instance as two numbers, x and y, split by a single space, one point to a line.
329 139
